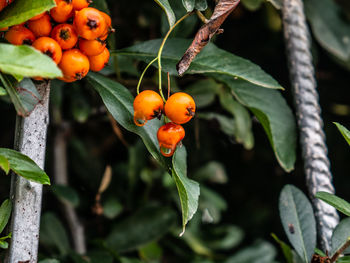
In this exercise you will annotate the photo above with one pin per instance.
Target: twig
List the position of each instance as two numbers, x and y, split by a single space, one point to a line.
340 251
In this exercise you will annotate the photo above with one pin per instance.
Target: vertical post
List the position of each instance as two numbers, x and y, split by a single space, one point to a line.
30 139
308 111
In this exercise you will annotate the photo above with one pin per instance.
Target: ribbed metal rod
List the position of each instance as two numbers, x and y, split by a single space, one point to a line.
30 139
308 111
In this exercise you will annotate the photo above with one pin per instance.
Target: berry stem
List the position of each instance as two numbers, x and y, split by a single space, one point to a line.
143 73
161 50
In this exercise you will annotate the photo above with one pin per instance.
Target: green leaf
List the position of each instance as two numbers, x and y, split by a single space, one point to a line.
330 29
287 251
112 208
24 95
5 213
4 164
66 194
225 237
146 225
188 4
213 203
3 92
335 201
151 252
188 189
164 4
201 5
24 166
4 244
341 235
344 131
203 92
345 259
213 171
27 61
276 118
211 60
243 123
260 252
49 260
22 10
227 124
298 221
119 103
276 3
252 5
53 233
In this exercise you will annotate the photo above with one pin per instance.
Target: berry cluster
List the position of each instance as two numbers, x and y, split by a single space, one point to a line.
179 109
72 34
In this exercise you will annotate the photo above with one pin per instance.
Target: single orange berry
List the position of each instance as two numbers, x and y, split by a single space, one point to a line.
65 35
19 35
49 47
98 62
37 16
91 47
169 136
80 4
41 27
147 105
74 65
180 107
62 11
89 23
109 27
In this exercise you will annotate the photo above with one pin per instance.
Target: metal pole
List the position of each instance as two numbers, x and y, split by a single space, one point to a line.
30 139
308 111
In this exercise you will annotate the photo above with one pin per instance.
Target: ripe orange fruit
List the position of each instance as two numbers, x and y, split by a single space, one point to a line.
147 105
49 47
91 47
169 136
89 23
65 35
74 65
3 4
41 27
108 28
62 11
180 107
80 4
100 61
19 35
37 16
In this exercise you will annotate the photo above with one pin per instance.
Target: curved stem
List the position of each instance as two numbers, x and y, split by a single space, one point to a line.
161 50
143 73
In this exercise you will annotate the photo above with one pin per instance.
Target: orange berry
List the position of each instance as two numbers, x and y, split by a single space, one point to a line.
49 47
63 11
3 4
4 28
37 16
98 62
109 27
169 136
65 35
19 35
41 27
147 105
89 23
80 4
74 65
180 107
91 47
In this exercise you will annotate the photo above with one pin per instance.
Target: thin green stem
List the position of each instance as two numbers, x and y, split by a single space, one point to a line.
161 50
143 73
201 17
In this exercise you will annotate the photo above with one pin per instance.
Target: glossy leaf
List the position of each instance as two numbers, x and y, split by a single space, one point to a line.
119 103
344 131
201 5
188 4
188 189
330 29
298 221
146 225
4 245
335 201
23 166
53 233
66 194
276 118
211 60
5 213
26 61
164 4
287 251
4 164
345 259
341 235
22 10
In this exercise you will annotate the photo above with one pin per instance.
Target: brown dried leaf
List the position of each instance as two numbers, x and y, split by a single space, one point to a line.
206 32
